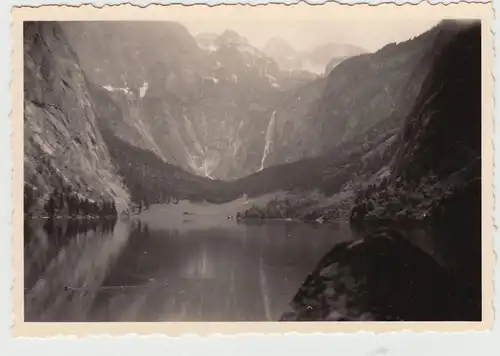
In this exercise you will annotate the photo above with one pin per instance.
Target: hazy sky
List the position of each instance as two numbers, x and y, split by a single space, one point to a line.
305 26
370 35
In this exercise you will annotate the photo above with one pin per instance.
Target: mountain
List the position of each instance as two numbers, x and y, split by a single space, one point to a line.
315 60
432 180
67 165
148 178
441 183
335 61
318 58
218 107
283 53
358 95
201 103
75 161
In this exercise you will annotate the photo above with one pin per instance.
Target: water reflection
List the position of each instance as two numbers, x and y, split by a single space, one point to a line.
63 253
244 273
108 271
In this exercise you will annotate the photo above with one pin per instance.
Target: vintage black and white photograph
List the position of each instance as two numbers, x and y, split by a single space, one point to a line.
245 170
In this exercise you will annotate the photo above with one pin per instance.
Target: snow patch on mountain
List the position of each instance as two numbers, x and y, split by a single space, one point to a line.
113 89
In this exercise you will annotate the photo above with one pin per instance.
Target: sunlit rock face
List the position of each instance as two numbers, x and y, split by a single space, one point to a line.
62 144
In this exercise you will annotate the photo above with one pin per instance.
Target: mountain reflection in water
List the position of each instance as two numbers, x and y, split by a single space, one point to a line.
116 271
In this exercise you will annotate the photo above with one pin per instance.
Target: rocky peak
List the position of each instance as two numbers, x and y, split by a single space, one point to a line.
230 38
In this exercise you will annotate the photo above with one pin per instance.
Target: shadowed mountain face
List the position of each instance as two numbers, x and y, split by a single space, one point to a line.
449 110
435 177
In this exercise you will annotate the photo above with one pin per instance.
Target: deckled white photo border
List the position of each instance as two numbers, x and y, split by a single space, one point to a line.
252 344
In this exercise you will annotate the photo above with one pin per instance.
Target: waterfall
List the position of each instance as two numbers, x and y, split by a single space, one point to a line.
199 161
269 139
143 89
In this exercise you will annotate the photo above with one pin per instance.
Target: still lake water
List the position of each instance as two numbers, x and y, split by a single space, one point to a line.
184 262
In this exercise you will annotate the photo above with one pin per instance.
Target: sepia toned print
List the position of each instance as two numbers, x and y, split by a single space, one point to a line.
182 169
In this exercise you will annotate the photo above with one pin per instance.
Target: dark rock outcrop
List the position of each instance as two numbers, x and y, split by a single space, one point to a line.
380 278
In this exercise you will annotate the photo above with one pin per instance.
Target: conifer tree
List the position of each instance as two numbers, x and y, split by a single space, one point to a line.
114 211
50 206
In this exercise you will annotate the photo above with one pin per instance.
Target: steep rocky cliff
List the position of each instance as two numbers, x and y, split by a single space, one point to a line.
439 147
434 182
64 153
436 175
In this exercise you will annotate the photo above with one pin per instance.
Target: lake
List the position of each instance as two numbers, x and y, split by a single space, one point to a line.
185 262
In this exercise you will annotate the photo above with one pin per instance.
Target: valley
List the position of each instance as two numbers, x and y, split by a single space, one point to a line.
132 116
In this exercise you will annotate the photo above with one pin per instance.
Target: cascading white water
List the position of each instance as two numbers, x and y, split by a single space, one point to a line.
269 139
200 161
143 89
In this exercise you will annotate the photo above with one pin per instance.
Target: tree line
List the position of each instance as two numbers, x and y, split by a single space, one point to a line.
149 179
64 202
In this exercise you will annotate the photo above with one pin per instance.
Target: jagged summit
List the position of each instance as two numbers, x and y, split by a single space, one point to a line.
230 38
